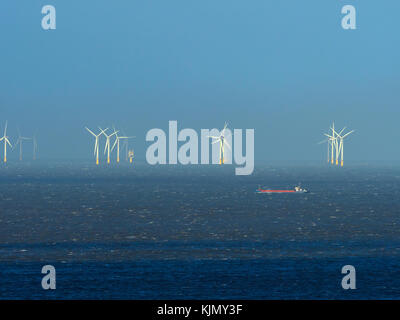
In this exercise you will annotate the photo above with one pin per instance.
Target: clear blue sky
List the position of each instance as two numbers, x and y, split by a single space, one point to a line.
285 68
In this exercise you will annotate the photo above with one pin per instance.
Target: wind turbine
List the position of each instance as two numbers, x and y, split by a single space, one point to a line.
221 139
116 143
96 144
6 141
107 147
341 138
19 141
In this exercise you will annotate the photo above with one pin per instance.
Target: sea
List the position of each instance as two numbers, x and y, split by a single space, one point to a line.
198 232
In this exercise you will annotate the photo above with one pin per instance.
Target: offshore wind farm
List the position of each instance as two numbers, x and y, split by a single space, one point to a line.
334 140
107 148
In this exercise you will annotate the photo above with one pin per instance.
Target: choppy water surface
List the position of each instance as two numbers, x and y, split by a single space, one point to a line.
198 232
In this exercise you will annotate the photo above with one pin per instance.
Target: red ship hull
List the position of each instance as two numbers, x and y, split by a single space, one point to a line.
276 191
296 190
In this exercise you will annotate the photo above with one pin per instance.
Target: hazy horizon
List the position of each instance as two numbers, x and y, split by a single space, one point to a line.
286 69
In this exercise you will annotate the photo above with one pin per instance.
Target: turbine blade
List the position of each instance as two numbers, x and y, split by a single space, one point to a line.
103 131
347 134
90 131
115 131
116 140
341 131
333 130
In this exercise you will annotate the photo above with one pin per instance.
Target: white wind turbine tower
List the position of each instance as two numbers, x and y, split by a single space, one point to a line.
341 138
6 141
19 141
96 144
108 144
221 139
334 142
116 143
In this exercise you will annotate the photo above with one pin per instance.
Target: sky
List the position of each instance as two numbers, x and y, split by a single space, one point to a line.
284 68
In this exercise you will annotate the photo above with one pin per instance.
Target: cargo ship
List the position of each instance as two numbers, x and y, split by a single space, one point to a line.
295 190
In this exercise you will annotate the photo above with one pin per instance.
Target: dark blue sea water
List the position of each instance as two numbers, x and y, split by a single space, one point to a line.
170 232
